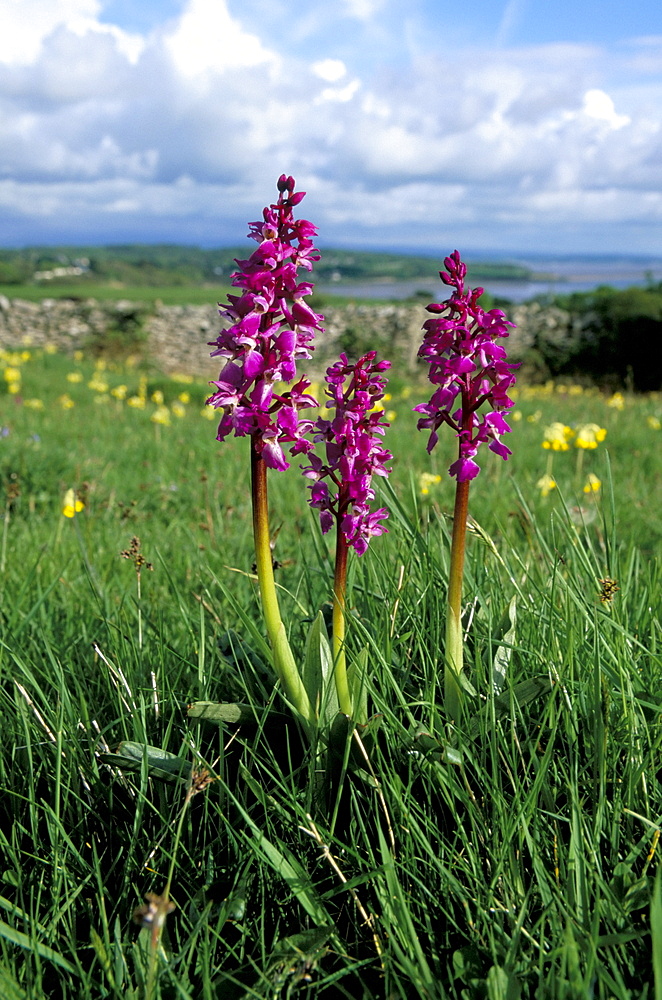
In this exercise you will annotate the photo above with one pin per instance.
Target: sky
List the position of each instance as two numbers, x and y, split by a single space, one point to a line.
512 127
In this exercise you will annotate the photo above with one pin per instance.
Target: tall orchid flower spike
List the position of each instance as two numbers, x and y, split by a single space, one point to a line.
353 454
470 372
271 329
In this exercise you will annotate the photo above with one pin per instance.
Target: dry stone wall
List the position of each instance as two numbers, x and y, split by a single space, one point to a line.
176 338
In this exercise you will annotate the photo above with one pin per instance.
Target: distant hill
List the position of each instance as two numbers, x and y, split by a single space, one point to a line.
163 265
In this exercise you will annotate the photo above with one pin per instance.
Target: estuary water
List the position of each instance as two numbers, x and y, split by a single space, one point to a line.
560 278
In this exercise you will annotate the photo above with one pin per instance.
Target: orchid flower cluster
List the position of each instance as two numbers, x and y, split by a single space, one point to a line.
465 360
354 450
272 328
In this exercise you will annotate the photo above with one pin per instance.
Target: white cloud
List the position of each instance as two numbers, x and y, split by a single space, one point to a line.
341 95
27 24
330 70
207 38
600 106
189 128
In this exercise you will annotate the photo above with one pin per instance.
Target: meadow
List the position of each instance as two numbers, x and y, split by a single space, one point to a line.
517 859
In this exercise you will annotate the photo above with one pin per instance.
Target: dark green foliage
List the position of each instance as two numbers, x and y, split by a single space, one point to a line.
618 338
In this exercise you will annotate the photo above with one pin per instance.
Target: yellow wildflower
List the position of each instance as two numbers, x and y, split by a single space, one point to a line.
546 484
14 388
65 401
593 484
137 402
119 392
654 423
184 397
157 397
515 415
178 410
12 374
97 384
557 436
589 436
427 480
208 412
72 504
78 355
50 349
75 377
33 404
161 416
617 401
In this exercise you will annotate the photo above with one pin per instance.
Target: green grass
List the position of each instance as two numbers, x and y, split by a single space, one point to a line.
169 295
519 861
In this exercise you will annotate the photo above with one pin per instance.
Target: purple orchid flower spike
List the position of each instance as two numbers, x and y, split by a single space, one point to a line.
353 451
342 482
468 367
466 362
272 328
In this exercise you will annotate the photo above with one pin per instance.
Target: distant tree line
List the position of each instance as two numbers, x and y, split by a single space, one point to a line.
152 265
613 335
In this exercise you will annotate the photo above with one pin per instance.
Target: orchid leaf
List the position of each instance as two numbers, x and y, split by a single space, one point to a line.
504 651
318 671
356 676
160 764
234 714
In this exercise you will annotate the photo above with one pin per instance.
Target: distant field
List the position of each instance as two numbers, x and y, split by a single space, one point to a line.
170 296
175 295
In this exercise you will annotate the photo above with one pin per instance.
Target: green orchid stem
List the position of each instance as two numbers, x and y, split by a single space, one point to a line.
284 663
339 601
454 638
